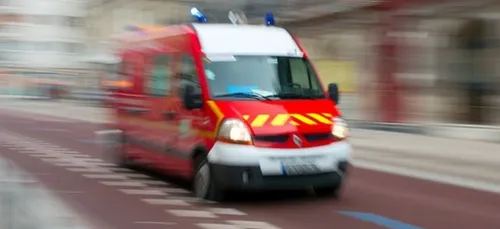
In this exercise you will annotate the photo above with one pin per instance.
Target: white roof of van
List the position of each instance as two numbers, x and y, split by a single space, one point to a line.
246 40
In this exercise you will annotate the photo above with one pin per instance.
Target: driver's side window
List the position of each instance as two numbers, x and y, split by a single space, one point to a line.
302 74
188 75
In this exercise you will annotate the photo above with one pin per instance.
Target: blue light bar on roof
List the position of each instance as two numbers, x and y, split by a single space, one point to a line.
198 15
269 19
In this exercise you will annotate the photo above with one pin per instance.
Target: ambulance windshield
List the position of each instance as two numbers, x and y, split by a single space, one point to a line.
261 77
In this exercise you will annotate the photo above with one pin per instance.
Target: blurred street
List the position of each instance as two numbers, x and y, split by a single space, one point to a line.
418 81
424 181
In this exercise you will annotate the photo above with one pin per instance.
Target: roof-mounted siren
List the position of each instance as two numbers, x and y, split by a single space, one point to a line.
269 19
198 15
237 17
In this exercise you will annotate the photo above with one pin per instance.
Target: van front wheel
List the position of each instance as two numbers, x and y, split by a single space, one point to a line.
205 186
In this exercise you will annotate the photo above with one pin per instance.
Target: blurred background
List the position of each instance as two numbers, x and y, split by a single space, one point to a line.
411 66
397 61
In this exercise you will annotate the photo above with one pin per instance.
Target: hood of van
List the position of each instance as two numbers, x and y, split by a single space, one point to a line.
282 116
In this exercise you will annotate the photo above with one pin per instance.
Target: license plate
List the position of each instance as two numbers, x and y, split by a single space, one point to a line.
300 169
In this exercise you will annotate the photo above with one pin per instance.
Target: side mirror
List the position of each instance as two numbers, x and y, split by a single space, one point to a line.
191 99
333 92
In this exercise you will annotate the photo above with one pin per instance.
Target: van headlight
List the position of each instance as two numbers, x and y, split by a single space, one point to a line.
339 128
234 131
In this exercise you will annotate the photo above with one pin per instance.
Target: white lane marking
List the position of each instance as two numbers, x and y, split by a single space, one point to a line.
174 190
217 226
252 224
157 223
67 192
154 182
102 132
76 165
117 169
90 170
143 192
225 211
137 176
73 160
42 155
26 151
192 213
194 200
166 202
123 183
106 176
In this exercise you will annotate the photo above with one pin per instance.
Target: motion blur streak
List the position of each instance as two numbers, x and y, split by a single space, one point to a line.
419 88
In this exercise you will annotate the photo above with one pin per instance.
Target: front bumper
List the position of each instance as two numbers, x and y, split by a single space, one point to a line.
251 178
249 167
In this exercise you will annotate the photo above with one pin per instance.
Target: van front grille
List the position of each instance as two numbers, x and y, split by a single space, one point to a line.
318 137
272 138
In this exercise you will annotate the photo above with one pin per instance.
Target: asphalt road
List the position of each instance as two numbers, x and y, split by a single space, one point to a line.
65 156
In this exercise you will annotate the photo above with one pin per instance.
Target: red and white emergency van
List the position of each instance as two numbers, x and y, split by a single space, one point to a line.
229 107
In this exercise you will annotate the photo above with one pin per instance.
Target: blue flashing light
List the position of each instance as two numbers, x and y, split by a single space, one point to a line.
269 19
132 28
198 15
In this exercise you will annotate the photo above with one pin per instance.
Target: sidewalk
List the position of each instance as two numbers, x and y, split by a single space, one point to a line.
467 163
24 203
71 110
82 111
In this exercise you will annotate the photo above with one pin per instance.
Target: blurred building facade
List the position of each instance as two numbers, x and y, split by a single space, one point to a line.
43 33
41 42
397 61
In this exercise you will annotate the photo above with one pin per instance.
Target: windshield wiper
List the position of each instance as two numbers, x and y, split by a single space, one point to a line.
244 95
294 96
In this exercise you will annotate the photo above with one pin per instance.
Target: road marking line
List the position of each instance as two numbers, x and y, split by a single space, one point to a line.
225 211
166 202
192 213
158 223
117 169
123 183
106 176
252 224
154 182
80 164
379 220
73 160
143 192
217 226
90 170
133 175
42 155
195 200
174 190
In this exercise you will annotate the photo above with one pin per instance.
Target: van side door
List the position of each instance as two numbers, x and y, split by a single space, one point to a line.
159 128
189 120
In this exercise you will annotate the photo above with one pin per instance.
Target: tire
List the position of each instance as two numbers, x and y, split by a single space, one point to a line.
332 191
118 153
204 187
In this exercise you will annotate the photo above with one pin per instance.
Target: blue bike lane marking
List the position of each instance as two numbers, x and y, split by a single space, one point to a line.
379 220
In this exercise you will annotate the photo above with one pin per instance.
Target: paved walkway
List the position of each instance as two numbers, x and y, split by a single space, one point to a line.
473 162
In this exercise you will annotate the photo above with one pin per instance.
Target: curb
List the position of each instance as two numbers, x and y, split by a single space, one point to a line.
488 133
